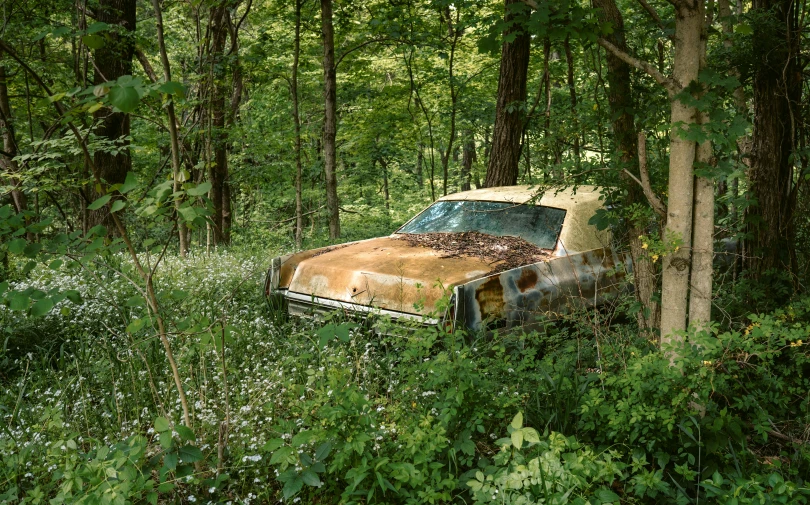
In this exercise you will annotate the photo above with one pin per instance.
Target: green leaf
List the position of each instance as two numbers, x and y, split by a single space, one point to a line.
186 433
31 250
93 41
97 27
323 450
517 439
302 438
190 454
118 205
292 487
19 301
172 88
101 202
55 264
166 439
200 189
273 444
517 422
17 246
136 301
42 307
310 478
136 325
130 183
165 487
162 424
606 495
170 460
281 455
124 98
74 296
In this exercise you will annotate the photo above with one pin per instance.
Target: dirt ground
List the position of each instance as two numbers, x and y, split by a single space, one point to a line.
502 253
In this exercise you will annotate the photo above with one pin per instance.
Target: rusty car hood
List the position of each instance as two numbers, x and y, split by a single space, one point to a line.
384 272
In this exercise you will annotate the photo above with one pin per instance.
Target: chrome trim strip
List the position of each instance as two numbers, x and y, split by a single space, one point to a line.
314 301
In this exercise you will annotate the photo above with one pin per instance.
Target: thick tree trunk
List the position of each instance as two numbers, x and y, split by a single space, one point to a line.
777 90
622 105
330 119
676 267
700 289
502 169
299 217
10 145
111 62
218 170
177 170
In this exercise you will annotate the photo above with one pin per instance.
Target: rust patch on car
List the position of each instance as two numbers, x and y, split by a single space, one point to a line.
489 297
527 280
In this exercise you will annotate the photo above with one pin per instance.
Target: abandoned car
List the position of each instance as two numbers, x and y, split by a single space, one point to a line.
506 256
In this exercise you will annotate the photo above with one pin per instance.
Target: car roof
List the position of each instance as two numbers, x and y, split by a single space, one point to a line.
580 204
565 198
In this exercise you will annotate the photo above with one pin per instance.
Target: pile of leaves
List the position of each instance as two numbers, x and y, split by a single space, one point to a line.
503 253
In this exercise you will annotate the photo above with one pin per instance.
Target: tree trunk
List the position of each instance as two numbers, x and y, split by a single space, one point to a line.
10 145
386 195
330 118
218 170
700 289
569 58
502 169
177 170
299 212
111 62
777 90
420 159
622 105
677 262
467 159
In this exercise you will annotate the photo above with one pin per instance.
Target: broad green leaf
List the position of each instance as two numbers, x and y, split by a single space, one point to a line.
281 455
200 189
93 41
166 439
273 444
55 264
42 307
74 296
170 460
129 183
17 246
124 98
607 496
292 487
310 478
186 433
172 88
517 439
162 424
101 202
323 451
97 27
517 422
165 487
136 325
302 438
19 301
118 205
190 454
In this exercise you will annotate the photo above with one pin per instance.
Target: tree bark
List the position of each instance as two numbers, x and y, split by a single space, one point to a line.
502 169
10 145
177 170
777 90
700 289
622 105
467 159
330 119
218 169
572 90
112 61
299 212
677 262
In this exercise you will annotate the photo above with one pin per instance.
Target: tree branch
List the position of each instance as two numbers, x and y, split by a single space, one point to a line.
653 14
668 83
355 48
655 202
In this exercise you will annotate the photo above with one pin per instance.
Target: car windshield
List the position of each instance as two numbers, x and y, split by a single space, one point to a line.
539 225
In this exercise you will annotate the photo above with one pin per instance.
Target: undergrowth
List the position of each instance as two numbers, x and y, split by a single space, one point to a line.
333 412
